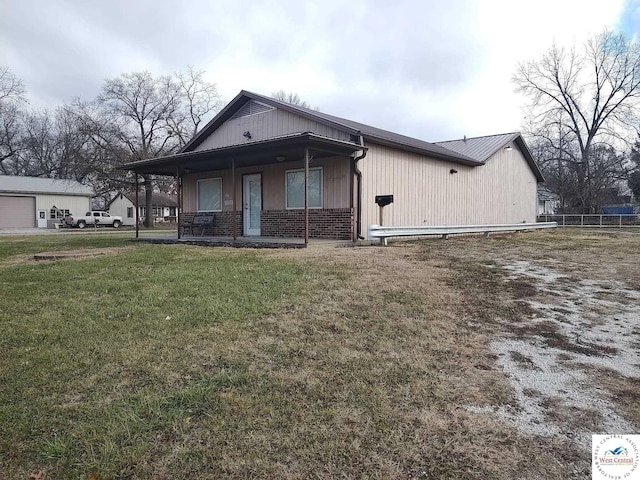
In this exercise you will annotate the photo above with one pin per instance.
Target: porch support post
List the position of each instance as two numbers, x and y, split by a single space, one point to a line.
179 211
234 217
306 196
137 205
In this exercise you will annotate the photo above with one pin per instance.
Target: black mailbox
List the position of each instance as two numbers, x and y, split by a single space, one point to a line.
384 200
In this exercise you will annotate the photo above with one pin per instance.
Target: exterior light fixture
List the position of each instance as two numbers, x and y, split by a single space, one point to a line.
508 148
452 171
247 135
281 158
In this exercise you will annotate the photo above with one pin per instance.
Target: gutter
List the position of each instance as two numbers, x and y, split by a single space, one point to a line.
359 188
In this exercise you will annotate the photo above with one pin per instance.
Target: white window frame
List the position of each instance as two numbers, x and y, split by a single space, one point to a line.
286 189
198 194
57 213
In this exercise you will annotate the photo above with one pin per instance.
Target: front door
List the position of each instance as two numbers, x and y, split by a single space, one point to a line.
252 203
42 219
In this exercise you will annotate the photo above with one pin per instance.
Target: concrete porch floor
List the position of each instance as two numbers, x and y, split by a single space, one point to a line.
245 242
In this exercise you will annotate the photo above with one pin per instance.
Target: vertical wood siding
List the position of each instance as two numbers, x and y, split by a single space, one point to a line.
425 193
336 184
264 126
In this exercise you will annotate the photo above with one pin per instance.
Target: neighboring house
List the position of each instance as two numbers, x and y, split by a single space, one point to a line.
164 209
548 202
248 167
27 202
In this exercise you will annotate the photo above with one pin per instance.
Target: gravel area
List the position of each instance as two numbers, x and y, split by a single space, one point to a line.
591 325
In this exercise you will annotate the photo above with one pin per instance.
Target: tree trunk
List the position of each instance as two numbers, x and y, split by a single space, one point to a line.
148 190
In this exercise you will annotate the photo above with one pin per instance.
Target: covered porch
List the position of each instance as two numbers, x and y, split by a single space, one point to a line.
284 190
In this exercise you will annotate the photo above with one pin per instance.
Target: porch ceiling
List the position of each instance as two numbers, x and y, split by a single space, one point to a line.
263 152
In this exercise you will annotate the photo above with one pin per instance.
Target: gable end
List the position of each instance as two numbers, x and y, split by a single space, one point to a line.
252 107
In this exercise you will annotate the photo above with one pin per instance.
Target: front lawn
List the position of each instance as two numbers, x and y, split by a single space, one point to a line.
106 362
182 362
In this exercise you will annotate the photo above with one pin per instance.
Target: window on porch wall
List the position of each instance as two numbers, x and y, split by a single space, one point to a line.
210 195
295 188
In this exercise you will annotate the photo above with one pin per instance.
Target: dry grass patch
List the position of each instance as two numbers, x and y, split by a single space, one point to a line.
551 302
322 363
625 392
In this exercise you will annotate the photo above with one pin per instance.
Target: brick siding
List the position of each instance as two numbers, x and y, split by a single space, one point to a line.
329 223
222 227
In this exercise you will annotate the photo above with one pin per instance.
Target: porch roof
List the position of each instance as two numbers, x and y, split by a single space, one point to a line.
263 152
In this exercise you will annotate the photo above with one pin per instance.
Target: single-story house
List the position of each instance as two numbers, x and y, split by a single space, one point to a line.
27 202
548 202
164 209
266 167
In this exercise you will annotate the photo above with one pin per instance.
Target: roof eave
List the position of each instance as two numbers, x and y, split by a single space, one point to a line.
220 118
314 141
522 145
238 101
440 156
507 140
36 192
300 111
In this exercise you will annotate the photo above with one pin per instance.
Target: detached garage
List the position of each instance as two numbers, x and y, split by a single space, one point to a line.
28 202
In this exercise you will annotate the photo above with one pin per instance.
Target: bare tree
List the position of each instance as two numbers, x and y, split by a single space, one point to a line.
11 87
293 99
584 106
103 151
139 108
138 116
11 102
634 178
199 100
54 146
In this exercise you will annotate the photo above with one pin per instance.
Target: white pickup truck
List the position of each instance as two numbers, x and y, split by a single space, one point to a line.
94 218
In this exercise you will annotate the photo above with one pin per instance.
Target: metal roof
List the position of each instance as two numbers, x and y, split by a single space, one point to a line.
479 148
46 186
377 135
261 152
472 151
482 148
157 199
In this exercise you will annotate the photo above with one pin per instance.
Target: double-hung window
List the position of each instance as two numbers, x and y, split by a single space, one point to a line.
295 188
210 195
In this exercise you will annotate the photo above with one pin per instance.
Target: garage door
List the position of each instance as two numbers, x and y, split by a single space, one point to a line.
17 212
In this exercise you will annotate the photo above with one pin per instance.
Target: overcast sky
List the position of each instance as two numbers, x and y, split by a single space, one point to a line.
431 69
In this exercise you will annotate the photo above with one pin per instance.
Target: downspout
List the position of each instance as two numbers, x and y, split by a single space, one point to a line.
359 190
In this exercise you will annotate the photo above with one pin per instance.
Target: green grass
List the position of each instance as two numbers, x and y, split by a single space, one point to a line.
99 357
31 244
180 362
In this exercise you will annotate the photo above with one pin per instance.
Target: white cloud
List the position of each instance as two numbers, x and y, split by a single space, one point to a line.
434 70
